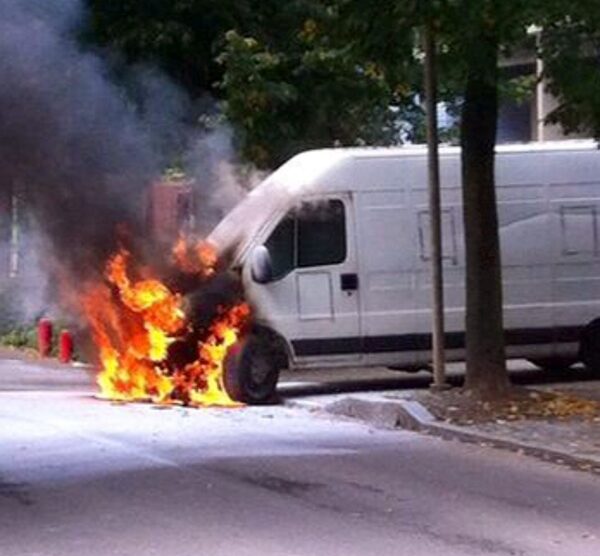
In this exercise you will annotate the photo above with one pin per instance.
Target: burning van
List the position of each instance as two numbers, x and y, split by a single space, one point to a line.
333 255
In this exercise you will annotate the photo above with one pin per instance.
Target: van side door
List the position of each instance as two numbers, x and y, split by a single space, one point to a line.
313 297
387 250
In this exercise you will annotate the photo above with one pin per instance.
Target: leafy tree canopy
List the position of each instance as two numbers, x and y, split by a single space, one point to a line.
570 48
300 83
181 36
310 73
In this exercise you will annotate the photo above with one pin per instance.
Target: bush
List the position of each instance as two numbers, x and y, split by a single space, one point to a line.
23 336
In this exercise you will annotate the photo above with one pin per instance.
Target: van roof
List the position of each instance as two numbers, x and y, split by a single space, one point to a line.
315 165
421 149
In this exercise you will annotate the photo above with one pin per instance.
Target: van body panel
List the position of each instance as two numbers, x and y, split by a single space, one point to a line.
385 240
549 222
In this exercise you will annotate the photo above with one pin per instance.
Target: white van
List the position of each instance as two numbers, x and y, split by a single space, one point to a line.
334 257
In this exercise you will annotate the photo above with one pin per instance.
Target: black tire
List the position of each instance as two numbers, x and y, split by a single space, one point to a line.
554 363
589 348
251 370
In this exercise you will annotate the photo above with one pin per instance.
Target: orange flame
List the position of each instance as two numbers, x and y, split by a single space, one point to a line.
199 258
133 324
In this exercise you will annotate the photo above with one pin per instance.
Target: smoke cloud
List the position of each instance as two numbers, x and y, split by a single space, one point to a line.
79 152
72 145
221 181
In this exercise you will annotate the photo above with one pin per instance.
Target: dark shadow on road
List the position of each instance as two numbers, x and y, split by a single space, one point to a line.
320 387
406 381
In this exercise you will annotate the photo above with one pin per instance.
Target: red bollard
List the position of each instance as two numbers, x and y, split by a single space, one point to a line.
44 337
65 347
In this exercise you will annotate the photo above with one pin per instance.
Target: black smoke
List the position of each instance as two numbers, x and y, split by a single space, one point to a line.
72 143
81 150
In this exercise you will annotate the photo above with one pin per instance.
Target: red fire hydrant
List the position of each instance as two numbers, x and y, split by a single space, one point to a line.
65 347
44 337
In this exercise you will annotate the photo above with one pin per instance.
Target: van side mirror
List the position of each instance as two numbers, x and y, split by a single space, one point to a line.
260 265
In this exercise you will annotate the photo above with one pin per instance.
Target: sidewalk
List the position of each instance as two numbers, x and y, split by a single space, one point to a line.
560 423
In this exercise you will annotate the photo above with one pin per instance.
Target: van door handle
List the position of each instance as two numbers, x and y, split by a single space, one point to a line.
349 282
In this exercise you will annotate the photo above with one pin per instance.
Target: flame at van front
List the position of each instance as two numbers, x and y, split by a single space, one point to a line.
140 328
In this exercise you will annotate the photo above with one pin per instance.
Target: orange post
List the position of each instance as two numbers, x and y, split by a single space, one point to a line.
44 337
65 347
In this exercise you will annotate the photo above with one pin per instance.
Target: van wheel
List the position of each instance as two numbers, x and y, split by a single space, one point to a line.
589 348
554 363
251 371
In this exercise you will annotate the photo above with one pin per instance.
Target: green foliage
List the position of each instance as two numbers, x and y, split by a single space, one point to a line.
570 48
178 35
23 336
290 73
519 89
303 86
16 329
310 73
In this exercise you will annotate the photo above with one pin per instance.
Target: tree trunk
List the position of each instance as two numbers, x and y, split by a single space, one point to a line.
486 374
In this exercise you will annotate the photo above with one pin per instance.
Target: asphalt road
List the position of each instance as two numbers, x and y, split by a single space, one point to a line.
83 476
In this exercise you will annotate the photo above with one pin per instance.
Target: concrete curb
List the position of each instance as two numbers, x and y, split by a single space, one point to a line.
412 415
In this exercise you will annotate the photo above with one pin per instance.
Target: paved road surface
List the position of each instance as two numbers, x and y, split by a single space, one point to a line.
83 476
25 375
